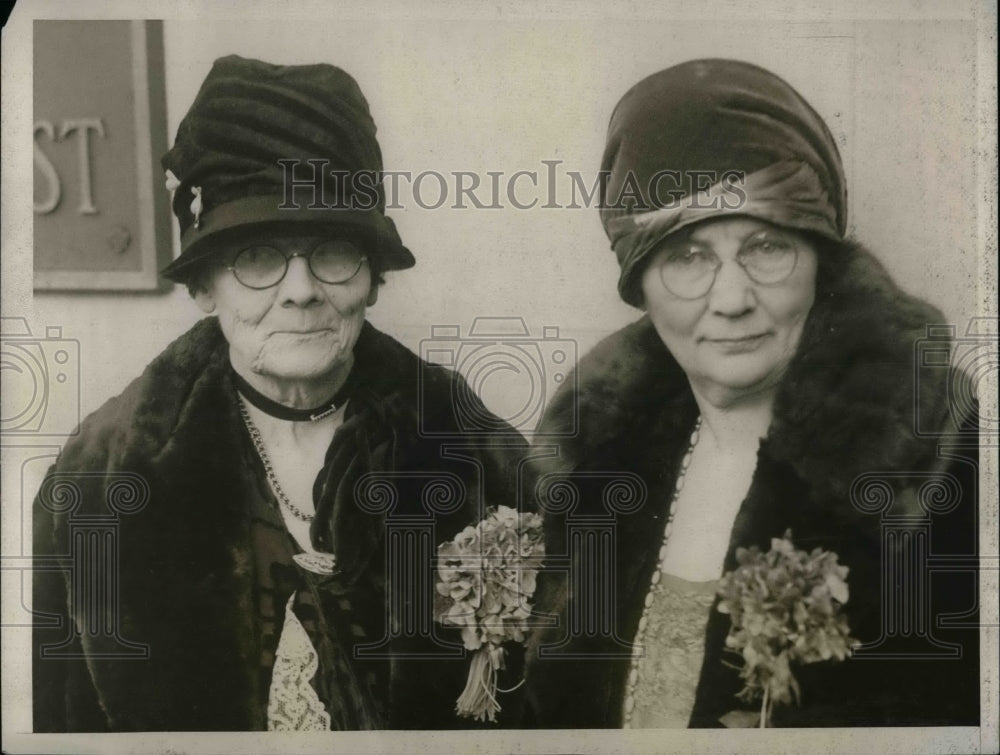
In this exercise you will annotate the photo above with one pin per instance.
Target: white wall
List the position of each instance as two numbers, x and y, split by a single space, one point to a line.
505 94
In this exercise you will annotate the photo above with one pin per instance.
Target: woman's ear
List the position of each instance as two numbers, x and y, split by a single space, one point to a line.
199 287
203 298
373 294
641 303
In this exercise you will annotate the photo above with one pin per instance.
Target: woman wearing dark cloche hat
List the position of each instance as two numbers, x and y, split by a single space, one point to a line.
770 565
280 442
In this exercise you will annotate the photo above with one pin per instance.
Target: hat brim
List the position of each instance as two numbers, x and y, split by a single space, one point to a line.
378 230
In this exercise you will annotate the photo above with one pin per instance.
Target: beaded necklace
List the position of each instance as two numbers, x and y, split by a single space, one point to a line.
316 562
637 645
272 478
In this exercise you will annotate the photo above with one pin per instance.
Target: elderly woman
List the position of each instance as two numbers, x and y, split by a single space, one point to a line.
282 460
769 389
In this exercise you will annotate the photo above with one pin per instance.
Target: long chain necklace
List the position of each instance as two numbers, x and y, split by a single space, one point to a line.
640 635
272 478
316 561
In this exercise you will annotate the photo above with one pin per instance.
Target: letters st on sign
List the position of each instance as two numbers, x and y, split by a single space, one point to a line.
101 211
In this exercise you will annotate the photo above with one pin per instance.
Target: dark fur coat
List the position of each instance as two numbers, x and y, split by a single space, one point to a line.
850 405
183 585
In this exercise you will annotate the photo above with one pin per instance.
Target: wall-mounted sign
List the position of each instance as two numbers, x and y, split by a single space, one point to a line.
101 210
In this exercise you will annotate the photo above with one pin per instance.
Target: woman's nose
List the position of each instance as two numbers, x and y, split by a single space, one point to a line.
299 287
732 292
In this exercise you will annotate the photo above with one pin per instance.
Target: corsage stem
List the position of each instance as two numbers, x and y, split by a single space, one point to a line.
478 699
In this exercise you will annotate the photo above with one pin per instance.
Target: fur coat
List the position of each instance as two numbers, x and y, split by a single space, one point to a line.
165 465
845 421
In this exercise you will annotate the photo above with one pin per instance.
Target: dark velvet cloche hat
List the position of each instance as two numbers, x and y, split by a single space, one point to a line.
255 128
678 137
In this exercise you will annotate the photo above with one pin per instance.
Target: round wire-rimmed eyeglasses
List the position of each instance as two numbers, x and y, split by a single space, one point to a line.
688 268
262 266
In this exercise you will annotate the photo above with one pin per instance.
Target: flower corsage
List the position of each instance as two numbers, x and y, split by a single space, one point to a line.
785 608
486 578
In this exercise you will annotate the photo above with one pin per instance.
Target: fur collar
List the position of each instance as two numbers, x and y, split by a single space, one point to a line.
846 405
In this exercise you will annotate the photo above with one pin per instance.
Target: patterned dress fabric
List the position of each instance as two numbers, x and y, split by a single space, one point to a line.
674 643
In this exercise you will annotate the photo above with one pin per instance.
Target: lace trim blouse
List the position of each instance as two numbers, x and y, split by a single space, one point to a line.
674 648
293 704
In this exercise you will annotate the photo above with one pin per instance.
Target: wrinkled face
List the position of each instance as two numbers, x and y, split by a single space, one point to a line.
738 337
300 329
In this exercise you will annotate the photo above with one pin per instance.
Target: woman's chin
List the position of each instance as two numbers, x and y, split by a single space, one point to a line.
740 381
295 366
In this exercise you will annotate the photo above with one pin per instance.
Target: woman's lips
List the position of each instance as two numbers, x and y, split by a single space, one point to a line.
304 338
738 345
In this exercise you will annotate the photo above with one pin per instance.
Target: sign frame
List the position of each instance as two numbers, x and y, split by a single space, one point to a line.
154 230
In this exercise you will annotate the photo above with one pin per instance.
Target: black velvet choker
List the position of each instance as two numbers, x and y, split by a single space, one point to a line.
280 411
